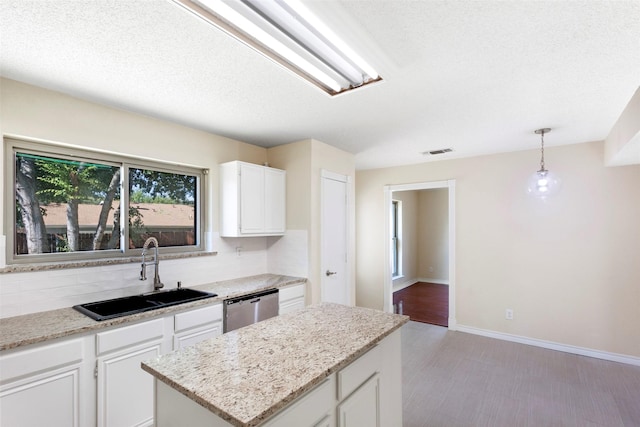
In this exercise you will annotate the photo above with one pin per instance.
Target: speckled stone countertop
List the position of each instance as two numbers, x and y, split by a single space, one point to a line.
47 325
247 375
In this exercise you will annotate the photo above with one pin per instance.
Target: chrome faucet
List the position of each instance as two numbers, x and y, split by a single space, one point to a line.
157 284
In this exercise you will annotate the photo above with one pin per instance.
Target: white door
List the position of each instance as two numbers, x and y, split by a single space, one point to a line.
334 229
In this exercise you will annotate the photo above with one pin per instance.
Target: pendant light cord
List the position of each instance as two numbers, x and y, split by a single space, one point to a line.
541 132
542 169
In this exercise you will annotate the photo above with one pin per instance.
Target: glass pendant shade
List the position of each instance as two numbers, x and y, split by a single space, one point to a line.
543 184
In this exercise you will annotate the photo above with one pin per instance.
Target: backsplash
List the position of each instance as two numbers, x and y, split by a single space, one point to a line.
30 292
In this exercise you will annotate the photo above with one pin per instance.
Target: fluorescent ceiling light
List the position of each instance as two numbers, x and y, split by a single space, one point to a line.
288 33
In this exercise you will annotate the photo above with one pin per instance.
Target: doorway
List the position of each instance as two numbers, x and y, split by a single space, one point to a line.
435 290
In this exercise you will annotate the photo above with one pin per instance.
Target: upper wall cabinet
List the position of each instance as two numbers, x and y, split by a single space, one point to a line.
252 200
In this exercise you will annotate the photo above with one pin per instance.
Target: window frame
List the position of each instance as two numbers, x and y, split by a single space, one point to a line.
13 145
396 239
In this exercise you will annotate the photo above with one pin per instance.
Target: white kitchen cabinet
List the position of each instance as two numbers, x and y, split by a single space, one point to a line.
197 325
359 390
125 392
368 392
252 200
48 385
291 298
370 388
362 408
316 408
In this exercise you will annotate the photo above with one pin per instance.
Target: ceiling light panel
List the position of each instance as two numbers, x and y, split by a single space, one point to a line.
297 29
288 33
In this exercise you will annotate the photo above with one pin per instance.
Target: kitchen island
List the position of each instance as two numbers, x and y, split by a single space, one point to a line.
325 365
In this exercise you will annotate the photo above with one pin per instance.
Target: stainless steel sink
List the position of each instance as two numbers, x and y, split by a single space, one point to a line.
109 309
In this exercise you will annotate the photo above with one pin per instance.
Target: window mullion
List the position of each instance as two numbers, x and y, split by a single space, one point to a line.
124 208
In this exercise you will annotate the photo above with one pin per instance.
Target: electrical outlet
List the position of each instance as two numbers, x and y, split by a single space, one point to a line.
239 251
508 314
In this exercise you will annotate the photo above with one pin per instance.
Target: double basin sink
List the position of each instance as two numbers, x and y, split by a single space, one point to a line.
109 309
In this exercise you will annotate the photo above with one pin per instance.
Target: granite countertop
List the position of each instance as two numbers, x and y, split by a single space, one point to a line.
247 375
47 325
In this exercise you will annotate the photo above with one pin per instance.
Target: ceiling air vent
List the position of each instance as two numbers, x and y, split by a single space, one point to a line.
440 151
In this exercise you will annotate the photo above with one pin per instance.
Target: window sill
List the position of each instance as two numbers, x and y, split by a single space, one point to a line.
23 268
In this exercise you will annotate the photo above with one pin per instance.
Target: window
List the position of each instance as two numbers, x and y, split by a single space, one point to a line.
396 234
68 204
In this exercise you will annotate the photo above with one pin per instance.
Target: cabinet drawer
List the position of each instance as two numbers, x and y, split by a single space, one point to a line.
44 358
291 292
291 305
129 335
196 335
351 377
198 317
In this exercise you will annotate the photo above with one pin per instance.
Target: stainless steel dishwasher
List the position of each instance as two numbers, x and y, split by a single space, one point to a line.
249 309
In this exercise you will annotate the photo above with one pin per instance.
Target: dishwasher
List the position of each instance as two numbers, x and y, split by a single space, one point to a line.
248 309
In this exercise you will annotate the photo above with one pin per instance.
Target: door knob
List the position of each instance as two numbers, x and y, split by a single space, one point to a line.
331 273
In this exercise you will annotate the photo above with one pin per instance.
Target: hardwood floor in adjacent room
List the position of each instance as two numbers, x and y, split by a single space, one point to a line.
425 302
455 379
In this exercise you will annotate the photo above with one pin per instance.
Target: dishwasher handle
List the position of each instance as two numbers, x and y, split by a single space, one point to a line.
250 298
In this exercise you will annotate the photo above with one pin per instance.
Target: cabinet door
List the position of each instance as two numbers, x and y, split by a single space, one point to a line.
274 200
125 391
362 408
251 199
327 421
42 386
55 397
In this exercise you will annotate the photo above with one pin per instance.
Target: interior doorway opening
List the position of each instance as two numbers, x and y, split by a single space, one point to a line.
433 272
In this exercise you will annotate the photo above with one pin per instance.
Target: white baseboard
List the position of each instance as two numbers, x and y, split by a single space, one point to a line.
437 281
402 283
408 282
604 355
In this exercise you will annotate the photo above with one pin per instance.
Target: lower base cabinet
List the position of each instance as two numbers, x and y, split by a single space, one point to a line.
47 385
125 392
96 379
367 393
197 325
291 298
362 408
314 409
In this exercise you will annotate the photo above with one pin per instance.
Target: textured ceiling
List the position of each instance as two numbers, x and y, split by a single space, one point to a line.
476 76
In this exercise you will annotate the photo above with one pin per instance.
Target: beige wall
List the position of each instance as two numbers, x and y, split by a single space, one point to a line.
37 113
304 162
295 158
568 267
433 232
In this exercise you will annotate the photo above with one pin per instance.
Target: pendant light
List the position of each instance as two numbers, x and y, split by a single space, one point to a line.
543 183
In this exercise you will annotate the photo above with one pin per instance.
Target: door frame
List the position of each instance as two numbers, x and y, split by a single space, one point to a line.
388 283
346 179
